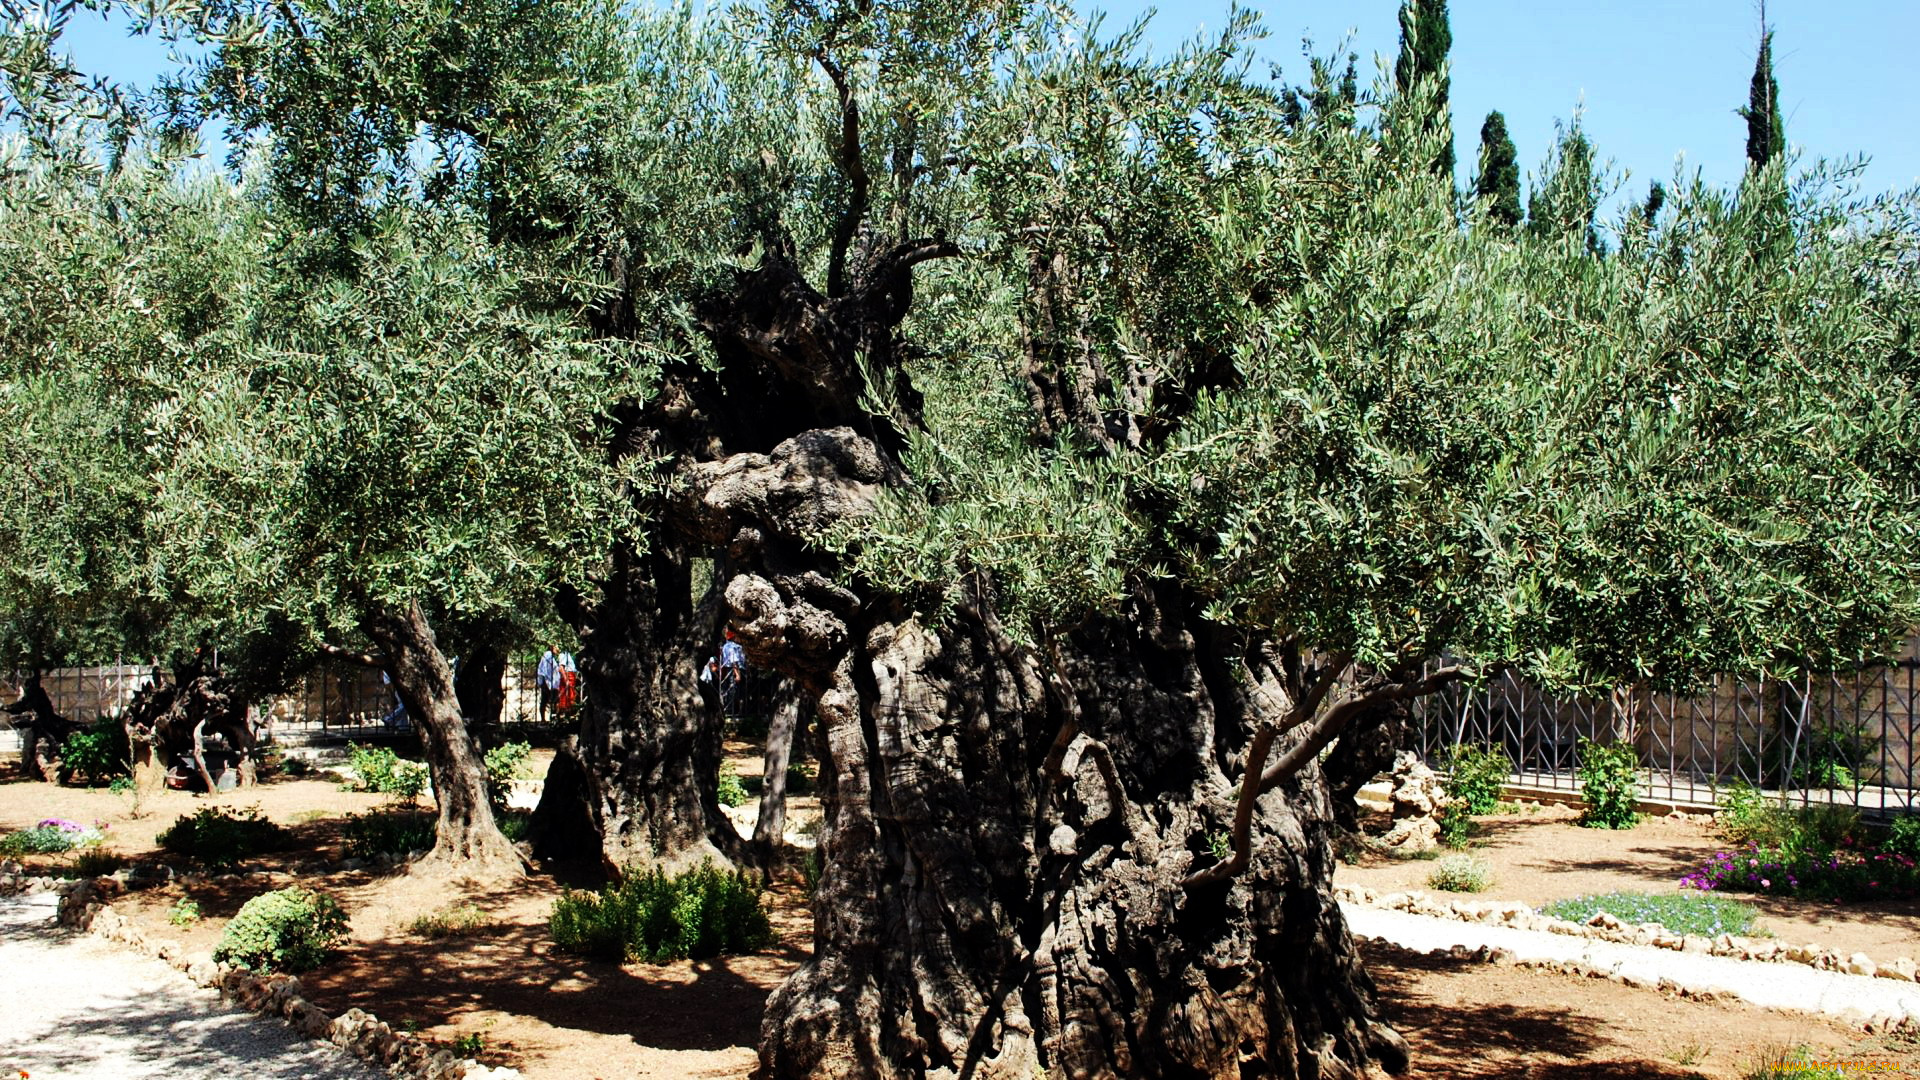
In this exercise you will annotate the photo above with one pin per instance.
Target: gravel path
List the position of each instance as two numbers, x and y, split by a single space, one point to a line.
76 1006
1783 986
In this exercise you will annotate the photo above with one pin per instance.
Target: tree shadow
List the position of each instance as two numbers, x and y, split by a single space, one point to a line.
710 1004
1493 1040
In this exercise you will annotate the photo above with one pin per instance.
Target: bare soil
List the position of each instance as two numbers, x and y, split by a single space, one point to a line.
1539 855
557 1017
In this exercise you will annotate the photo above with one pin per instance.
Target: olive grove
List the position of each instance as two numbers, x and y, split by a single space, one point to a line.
1106 445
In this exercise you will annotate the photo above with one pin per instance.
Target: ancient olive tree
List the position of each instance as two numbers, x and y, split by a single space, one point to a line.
1117 495
389 447
1103 443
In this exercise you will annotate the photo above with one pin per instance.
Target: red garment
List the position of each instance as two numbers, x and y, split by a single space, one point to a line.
569 694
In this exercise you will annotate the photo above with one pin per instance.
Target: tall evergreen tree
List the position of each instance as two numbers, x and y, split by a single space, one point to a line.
1499 179
1566 200
1425 39
1766 132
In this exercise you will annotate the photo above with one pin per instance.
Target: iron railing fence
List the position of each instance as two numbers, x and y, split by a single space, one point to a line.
1851 738
340 699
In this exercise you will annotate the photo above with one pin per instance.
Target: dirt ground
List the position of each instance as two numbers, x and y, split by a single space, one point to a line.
557 1017
1539 856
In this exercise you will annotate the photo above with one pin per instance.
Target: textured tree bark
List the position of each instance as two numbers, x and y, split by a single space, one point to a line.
168 720
1007 838
639 785
770 825
467 843
981 915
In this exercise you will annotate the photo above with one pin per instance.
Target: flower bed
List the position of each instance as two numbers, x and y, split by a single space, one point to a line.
1835 875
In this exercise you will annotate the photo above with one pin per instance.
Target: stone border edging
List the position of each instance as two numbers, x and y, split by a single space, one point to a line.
1501 957
1606 927
84 905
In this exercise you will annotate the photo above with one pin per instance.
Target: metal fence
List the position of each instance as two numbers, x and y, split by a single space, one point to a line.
1850 738
334 699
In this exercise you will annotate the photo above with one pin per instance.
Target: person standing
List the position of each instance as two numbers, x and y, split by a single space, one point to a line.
554 671
733 674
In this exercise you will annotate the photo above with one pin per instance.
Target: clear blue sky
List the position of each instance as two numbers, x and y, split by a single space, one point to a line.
1658 78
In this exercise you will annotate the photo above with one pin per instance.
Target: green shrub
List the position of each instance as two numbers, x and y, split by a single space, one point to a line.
387 832
700 913
1903 836
184 912
456 920
732 791
50 837
220 838
1460 873
1456 824
290 930
1475 775
1749 817
383 771
505 764
1682 913
95 863
1609 784
514 825
99 753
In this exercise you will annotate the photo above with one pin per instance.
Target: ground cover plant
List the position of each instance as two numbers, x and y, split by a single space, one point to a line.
1461 873
219 837
288 930
1817 850
1682 913
51 836
655 918
455 920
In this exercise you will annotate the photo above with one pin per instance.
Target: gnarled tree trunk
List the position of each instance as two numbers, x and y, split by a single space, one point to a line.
639 784
770 824
467 842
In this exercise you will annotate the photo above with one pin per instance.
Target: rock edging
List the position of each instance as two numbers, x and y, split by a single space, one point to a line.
1499 957
85 905
1606 927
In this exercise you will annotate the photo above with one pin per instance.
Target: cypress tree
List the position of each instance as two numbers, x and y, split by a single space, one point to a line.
1766 132
1656 198
1425 40
1567 198
1499 179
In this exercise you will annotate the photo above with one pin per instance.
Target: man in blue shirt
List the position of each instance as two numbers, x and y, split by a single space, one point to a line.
553 670
733 673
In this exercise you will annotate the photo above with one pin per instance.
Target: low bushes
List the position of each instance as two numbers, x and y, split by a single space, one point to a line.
1475 775
700 913
457 920
383 771
287 930
220 838
1609 784
1682 913
1818 851
1461 873
99 753
50 837
505 764
387 833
